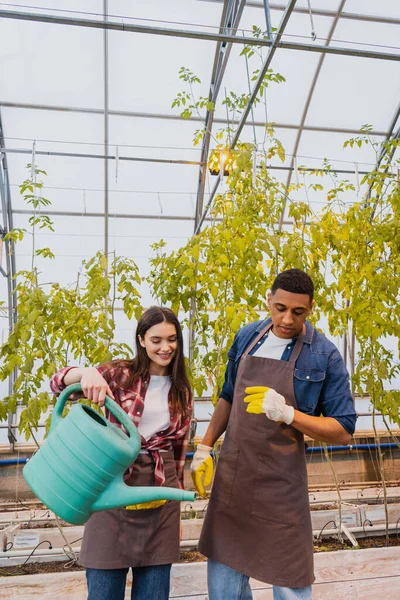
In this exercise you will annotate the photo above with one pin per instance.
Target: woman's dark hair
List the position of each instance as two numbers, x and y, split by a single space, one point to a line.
295 281
139 366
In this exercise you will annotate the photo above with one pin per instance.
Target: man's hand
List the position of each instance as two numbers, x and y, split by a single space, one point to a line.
266 400
202 468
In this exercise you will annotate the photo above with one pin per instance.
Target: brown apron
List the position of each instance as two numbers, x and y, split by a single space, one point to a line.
120 538
258 518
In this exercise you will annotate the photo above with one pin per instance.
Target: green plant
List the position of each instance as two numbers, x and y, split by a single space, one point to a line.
57 323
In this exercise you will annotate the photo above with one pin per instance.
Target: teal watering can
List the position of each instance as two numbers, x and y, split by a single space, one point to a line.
79 468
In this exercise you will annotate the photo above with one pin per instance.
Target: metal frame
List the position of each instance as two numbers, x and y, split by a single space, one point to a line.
150 160
200 35
230 19
226 36
384 151
105 157
5 196
67 213
273 46
193 118
321 12
105 71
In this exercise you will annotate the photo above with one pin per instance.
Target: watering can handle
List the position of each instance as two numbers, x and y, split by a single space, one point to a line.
112 406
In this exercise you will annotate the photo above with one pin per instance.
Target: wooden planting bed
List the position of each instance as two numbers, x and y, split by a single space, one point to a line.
366 574
22 530
343 575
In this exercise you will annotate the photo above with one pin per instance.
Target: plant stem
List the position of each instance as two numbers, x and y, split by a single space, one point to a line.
329 461
382 473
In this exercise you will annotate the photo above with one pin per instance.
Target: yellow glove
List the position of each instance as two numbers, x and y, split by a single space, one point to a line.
265 400
202 468
146 505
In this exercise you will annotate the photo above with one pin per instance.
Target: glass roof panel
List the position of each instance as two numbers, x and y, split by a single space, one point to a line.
156 138
179 14
354 91
143 72
50 64
383 8
367 35
320 4
65 8
324 4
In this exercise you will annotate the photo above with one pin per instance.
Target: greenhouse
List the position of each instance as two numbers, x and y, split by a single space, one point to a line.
199 300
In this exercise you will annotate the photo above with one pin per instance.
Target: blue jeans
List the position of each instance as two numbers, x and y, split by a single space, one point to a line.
148 582
224 582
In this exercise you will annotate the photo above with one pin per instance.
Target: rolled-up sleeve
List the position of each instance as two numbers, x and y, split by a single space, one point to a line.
57 384
335 399
230 373
229 383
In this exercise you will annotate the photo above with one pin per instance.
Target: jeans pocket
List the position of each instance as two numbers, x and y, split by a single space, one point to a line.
225 476
276 494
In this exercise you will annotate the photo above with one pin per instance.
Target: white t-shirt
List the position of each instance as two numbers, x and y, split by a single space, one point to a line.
155 415
272 347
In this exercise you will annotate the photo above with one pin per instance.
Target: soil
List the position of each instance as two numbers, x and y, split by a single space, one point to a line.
332 543
192 556
62 566
36 568
315 507
326 545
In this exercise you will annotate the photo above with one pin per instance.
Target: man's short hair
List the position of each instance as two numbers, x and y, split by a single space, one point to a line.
295 281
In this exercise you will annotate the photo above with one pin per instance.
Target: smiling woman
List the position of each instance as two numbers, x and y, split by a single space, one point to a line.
153 389
160 343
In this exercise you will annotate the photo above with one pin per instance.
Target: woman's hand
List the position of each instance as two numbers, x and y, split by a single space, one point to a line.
94 386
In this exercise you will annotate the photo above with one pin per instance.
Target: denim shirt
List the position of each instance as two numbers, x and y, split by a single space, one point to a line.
321 380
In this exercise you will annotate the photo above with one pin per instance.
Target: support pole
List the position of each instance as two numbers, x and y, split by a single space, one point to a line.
105 37
7 226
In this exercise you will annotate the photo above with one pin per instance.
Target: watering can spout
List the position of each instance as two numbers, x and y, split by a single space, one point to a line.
118 494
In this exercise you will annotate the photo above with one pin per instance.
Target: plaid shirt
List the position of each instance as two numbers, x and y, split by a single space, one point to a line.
132 401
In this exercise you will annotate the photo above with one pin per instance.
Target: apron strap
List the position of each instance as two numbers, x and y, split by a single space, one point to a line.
298 346
258 338
296 350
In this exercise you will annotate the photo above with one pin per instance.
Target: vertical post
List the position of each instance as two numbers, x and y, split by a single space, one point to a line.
105 38
5 195
268 19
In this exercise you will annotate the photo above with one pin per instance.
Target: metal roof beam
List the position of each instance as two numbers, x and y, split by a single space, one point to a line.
66 213
202 35
321 12
142 115
131 27
341 51
102 156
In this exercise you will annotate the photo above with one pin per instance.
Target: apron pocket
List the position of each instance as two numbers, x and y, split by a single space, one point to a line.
225 477
277 494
